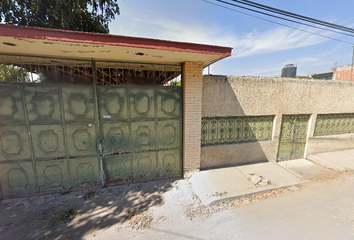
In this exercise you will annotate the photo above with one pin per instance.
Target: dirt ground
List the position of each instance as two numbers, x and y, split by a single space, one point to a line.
43 217
120 212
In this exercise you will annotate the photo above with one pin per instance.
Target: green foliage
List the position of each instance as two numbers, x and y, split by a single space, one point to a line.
9 73
76 15
174 83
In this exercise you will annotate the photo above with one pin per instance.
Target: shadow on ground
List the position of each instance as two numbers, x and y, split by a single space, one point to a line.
30 218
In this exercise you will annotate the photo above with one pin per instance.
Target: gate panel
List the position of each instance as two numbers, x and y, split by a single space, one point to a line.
81 138
48 141
43 103
36 134
14 143
285 149
53 175
48 129
143 135
141 131
169 134
17 178
298 149
113 104
142 103
144 165
169 163
11 104
116 137
168 104
78 103
84 171
293 135
118 168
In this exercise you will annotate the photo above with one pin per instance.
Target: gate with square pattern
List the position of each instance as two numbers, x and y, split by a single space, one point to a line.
48 138
141 132
55 136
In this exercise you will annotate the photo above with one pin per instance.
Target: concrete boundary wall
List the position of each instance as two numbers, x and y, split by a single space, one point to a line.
225 96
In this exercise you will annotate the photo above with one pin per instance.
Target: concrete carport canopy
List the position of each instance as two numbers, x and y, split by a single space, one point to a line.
28 48
20 40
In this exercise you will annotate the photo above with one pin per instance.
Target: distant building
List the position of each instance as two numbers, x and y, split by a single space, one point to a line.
323 76
289 71
343 73
302 77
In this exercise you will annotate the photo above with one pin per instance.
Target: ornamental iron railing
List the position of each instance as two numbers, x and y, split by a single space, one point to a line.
229 130
332 124
33 69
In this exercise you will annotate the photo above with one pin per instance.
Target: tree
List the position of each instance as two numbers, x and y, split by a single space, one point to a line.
76 15
10 73
174 83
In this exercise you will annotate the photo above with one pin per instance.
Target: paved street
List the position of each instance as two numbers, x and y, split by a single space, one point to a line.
169 209
321 211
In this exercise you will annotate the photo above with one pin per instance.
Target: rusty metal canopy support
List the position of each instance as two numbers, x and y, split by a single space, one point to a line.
57 70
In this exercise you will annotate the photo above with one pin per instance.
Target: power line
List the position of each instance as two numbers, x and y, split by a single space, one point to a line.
281 24
293 15
289 20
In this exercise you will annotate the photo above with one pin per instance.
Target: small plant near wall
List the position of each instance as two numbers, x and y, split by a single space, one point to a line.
174 84
220 194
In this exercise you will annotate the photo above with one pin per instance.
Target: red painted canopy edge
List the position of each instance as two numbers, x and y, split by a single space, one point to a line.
8 30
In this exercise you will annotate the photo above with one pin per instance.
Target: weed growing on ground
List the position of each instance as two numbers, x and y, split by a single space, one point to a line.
88 195
64 216
336 176
202 210
217 194
140 220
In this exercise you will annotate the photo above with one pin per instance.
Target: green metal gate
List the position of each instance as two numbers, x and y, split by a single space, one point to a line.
48 138
55 135
293 135
141 132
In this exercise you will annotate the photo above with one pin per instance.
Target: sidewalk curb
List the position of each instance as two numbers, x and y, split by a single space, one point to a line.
250 193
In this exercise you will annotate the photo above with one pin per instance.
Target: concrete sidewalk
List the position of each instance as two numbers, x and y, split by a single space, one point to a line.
233 182
339 161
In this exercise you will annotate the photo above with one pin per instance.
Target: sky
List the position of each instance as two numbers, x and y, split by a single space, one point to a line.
260 48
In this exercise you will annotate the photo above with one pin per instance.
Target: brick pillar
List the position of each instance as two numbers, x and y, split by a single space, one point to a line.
192 84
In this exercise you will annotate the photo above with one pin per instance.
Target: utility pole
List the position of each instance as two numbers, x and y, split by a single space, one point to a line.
351 75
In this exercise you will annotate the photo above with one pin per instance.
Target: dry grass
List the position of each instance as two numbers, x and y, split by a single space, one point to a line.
201 210
140 220
88 195
217 194
64 216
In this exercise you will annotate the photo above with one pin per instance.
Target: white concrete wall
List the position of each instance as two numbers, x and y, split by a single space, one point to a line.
241 96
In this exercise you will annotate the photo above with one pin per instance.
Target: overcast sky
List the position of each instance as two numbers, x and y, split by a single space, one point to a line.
260 48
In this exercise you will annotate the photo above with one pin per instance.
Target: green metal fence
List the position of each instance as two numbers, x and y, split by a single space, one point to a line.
228 130
332 124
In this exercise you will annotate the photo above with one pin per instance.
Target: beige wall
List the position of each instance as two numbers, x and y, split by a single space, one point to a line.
192 85
241 96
